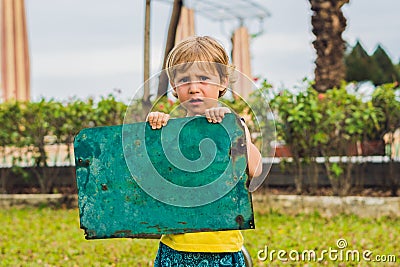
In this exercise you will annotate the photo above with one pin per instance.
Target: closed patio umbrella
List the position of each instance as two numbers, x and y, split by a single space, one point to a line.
185 25
15 70
242 61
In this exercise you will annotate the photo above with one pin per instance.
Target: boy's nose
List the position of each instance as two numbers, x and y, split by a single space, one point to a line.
194 88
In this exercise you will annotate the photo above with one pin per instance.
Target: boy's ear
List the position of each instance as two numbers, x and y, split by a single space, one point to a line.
224 84
173 88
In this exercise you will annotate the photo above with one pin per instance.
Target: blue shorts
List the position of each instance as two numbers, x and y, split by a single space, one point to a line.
167 257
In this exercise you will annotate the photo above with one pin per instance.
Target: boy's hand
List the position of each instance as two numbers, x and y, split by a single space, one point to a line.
157 119
215 115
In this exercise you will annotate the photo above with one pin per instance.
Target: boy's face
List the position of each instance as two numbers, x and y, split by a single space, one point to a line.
198 88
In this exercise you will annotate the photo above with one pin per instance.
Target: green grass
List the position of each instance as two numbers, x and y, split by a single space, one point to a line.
48 237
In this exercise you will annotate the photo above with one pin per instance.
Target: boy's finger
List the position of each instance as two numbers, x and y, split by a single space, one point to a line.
207 114
162 120
165 120
158 123
223 111
150 117
217 115
212 117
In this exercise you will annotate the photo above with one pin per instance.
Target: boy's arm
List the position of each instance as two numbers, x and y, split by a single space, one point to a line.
254 159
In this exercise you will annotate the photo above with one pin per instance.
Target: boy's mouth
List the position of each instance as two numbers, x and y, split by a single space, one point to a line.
196 101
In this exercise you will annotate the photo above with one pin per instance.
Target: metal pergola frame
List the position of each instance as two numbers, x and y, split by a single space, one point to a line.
227 10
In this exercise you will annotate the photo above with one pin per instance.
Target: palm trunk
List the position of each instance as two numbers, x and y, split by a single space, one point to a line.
328 25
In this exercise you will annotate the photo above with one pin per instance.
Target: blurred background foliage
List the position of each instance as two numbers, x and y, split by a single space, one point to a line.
310 124
335 123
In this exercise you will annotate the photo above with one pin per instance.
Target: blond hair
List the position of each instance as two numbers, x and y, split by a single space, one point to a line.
199 49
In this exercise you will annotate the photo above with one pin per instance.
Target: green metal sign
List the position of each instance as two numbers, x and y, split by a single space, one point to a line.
189 176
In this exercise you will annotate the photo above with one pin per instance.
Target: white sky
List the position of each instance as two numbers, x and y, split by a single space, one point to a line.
81 48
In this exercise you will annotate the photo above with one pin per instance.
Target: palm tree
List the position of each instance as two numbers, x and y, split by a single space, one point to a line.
328 24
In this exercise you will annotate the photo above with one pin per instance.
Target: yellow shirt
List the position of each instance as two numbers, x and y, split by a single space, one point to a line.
221 241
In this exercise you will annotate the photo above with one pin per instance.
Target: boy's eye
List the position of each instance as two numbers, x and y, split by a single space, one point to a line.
204 78
184 80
